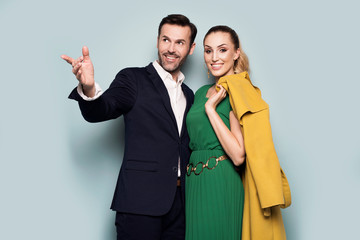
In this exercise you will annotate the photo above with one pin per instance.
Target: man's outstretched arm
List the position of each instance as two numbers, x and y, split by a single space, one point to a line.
95 105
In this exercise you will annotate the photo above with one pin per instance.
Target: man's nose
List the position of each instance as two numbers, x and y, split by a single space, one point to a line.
171 48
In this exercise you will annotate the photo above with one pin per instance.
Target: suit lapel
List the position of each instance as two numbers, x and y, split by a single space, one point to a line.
161 89
188 105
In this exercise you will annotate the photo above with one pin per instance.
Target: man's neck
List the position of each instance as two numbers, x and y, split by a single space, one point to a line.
175 76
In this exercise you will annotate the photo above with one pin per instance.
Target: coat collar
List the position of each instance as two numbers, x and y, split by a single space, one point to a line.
244 97
189 101
161 89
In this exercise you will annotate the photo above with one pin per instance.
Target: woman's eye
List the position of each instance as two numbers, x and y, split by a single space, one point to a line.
223 50
208 51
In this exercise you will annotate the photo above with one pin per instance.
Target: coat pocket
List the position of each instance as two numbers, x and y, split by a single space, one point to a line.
141 165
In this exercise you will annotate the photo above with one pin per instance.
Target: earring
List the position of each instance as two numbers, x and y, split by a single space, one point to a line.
208 73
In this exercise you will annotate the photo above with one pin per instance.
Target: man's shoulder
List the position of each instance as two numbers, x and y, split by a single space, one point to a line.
131 72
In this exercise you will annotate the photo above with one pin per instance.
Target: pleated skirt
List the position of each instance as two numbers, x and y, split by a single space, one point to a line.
214 199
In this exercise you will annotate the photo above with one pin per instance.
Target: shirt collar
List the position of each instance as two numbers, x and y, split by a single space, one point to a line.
166 75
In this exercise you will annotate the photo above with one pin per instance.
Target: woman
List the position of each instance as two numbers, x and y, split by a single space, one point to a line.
218 205
214 193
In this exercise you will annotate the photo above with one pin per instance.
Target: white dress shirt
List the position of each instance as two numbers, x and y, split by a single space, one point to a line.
176 95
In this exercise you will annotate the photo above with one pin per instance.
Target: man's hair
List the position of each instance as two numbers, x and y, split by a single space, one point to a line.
181 20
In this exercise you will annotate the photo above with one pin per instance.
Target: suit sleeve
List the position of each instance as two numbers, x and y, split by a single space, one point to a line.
262 159
118 99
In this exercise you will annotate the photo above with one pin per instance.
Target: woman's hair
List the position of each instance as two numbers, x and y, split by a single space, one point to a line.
242 63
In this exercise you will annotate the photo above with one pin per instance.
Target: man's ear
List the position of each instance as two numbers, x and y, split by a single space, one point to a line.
192 47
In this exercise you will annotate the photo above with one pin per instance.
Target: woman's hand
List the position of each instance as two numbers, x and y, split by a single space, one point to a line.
230 139
215 99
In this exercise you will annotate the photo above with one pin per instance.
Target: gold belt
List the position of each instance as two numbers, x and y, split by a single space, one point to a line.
196 169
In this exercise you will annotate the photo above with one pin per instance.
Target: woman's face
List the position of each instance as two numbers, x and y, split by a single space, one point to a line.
220 54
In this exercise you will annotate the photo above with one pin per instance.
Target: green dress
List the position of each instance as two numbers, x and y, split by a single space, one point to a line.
214 198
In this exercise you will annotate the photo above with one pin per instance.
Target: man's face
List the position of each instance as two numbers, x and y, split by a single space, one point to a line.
173 47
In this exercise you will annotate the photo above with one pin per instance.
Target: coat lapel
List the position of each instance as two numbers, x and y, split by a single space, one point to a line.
189 102
161 89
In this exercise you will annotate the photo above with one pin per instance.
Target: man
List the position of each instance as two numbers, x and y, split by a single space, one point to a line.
149 196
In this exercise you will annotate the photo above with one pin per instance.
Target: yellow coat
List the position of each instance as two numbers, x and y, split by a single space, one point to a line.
265 185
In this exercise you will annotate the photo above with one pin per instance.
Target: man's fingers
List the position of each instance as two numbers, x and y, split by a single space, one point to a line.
76 68
78 75
68 59
85 52
72 61
77 61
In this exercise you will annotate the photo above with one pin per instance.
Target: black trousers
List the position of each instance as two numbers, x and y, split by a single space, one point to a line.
170 226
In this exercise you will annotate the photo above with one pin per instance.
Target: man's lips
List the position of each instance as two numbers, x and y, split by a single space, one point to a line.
171 58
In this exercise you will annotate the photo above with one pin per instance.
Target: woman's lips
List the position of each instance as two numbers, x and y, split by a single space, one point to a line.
216 66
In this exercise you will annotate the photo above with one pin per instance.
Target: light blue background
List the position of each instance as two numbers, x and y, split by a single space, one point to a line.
58 172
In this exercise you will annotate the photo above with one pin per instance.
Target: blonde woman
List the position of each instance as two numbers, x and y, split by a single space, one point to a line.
227 120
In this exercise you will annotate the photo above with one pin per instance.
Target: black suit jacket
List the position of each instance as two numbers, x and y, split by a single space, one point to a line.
148 175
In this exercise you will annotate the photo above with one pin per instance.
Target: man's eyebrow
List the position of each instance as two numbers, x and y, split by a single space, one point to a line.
177 40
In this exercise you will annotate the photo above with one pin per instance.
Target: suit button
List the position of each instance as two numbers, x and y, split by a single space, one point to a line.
175 169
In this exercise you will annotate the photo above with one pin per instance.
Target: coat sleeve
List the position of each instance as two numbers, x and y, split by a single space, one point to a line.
115 101
262 159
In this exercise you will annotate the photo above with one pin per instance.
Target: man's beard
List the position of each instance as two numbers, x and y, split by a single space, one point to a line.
172 68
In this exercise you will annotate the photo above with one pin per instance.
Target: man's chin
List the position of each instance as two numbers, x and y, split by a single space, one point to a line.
170 68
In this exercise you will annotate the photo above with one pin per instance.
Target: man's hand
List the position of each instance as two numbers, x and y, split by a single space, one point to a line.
83 69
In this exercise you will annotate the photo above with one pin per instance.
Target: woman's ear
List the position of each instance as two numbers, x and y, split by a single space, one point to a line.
237 54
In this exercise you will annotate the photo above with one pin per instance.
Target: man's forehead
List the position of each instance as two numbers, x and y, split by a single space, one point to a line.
175 31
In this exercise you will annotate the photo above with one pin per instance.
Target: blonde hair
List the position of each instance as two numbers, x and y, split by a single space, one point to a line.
242 63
